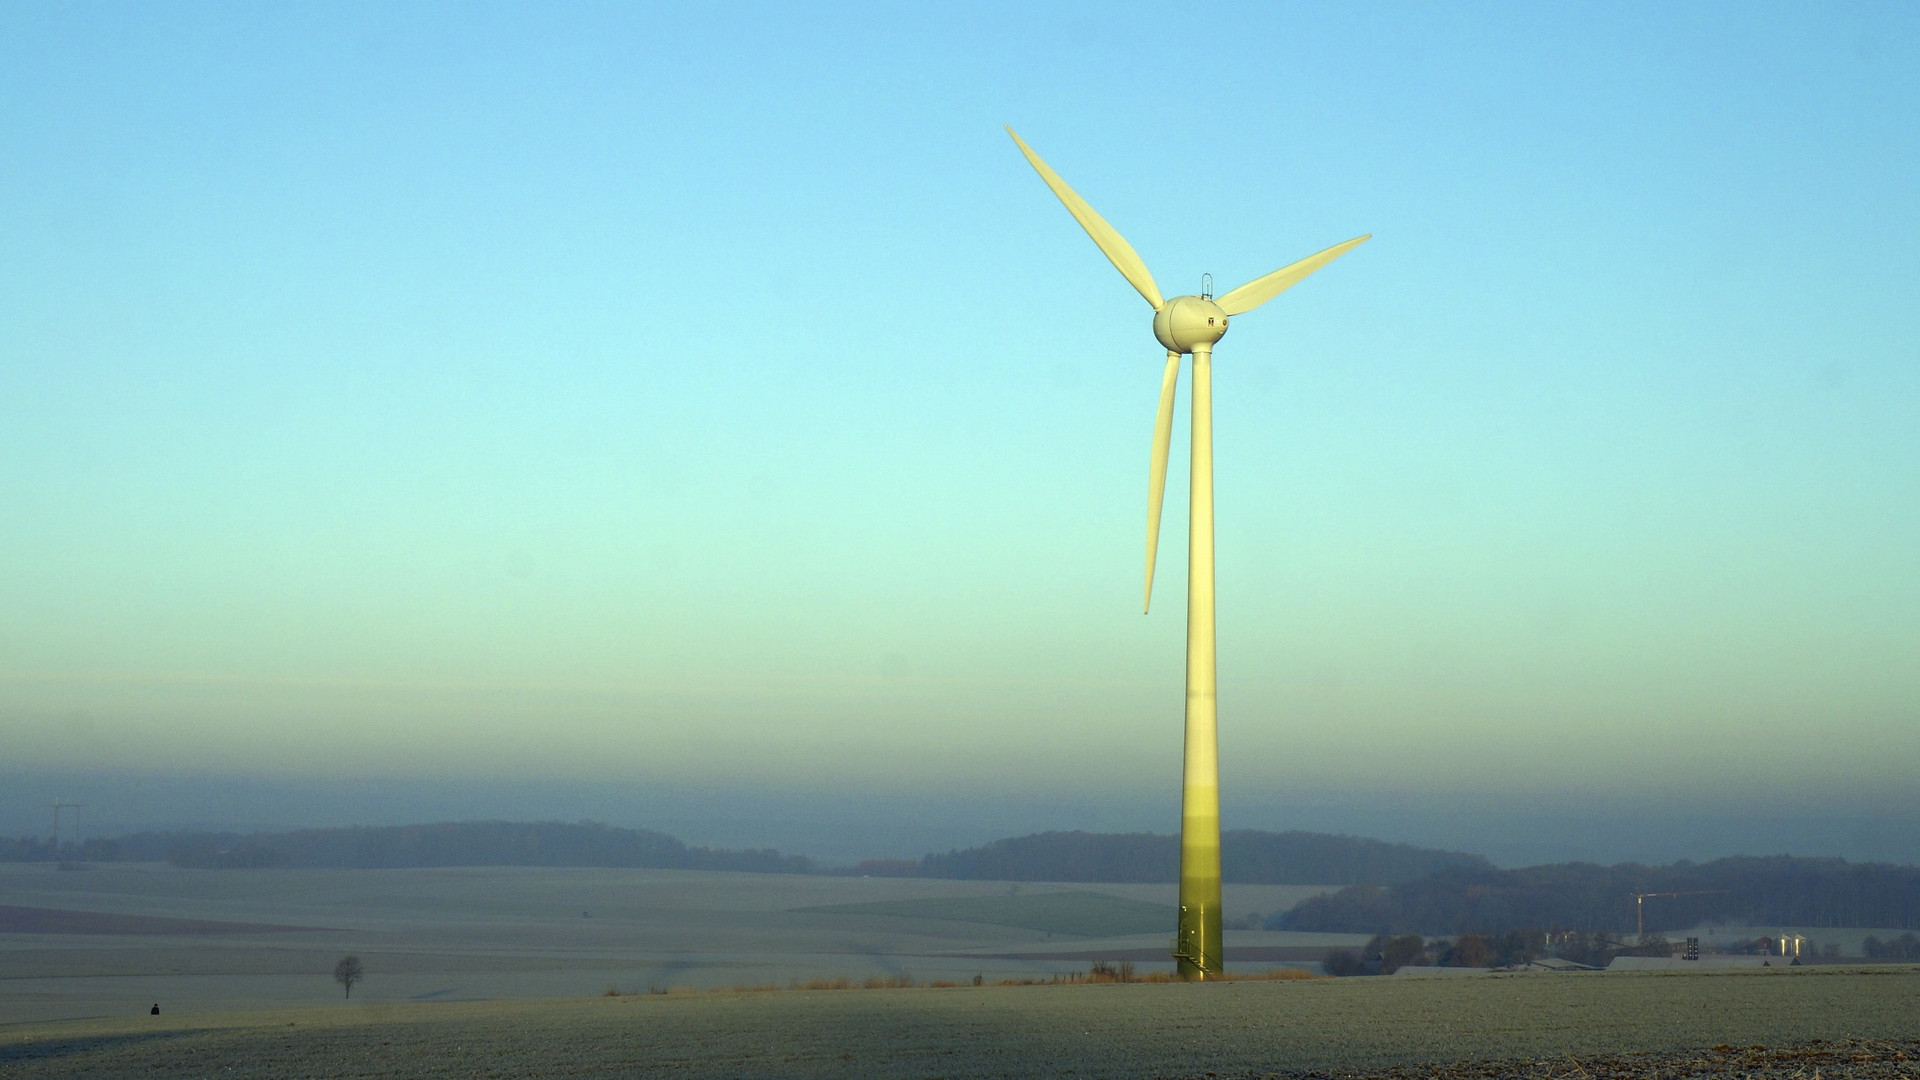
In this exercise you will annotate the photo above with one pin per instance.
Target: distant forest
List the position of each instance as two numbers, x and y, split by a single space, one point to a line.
1290 858
1390 889
1246 857
1774 891
476 843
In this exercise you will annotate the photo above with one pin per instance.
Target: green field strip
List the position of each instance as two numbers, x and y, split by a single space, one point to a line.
1082 914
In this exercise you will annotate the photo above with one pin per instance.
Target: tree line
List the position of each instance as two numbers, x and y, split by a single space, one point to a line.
1904 947
1386 954
1779 890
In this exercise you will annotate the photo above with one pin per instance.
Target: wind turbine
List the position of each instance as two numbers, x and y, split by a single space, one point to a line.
1189 324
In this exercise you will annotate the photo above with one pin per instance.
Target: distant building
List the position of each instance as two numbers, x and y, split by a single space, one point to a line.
1555 963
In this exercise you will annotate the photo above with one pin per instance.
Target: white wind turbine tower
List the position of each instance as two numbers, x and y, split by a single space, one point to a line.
1189 324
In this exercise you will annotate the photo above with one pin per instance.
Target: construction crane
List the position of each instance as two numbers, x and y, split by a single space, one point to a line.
1640 906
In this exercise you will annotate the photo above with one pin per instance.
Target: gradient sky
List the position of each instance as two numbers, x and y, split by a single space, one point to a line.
713 397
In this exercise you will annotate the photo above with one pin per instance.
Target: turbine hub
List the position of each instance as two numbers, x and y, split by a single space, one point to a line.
1186 321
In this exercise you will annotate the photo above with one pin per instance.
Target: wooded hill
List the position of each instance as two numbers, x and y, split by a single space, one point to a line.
470 843
1246 856
1291 858
1773 891
1393 888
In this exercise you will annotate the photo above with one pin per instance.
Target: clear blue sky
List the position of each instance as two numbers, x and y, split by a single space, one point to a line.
715 397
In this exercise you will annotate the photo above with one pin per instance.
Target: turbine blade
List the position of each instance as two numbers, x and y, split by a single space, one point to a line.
1115 246
1157 472
1262 289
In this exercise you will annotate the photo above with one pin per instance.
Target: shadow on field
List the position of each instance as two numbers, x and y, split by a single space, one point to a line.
56 1049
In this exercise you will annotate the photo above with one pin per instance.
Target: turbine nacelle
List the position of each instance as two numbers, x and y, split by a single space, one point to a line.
1185 322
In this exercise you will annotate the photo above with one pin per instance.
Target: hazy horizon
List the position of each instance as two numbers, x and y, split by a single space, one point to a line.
843 828
408 411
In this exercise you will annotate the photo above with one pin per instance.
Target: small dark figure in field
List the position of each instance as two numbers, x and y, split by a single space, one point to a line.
347 972
155 1011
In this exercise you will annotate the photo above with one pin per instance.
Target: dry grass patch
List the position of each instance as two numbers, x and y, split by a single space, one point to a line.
1100 972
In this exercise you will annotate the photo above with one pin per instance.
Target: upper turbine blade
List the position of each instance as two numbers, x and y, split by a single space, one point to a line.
1157 472
1117 250
1262 289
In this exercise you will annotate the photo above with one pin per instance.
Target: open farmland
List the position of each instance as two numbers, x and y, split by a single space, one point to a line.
112 940
1773 1023
502 971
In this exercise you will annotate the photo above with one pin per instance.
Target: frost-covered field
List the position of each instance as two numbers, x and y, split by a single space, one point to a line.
488 933
502 972
1758 1023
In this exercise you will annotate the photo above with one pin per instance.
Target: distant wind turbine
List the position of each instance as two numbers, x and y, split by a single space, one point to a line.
1189 324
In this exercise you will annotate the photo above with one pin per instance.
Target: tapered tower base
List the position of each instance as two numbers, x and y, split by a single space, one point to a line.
1197 952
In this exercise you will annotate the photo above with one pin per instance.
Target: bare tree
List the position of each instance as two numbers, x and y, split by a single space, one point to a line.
349 971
